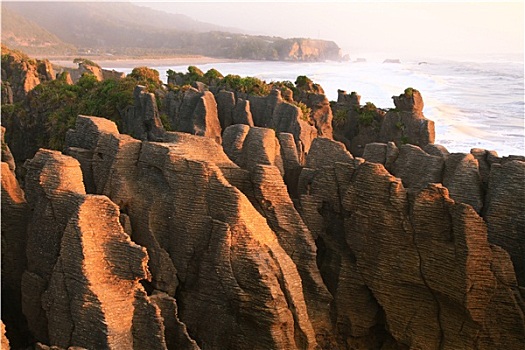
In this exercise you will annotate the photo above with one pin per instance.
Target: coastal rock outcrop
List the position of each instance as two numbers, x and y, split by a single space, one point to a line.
14 237
503 212
81 286
242 113
273 112
261 146
251 228
88 67
23 73
321 112
406 123
142 120
196 113
273 201
210 242
442 256
225 106
356 125
308 50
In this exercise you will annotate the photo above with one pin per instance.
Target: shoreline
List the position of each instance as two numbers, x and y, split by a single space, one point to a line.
130 62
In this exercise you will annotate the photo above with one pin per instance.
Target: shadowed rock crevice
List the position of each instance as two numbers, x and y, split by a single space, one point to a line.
15 211
441 245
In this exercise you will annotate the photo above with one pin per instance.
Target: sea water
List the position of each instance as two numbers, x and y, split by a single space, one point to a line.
473 104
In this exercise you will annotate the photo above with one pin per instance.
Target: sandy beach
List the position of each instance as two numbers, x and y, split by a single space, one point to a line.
128 62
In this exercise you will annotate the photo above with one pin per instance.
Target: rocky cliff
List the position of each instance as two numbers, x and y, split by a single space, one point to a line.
125 29
361 259
356 125
262 234
21 74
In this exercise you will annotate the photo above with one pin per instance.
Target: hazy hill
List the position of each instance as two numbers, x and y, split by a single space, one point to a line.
21 33
87 23
127 29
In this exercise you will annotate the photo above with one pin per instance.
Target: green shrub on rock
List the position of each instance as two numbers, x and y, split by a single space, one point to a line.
145 76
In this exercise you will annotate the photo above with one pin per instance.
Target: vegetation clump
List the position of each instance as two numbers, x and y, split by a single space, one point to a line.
303 82
340 117
58 104
248 85
305 110
85 61
367 114
194 74
409 92
146 76
213 74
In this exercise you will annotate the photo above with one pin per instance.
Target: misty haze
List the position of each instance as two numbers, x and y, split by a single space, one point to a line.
238 175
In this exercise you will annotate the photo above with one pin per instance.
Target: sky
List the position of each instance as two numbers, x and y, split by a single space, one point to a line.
390 29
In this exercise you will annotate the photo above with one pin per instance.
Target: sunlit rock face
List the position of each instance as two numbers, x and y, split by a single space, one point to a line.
81 285
187 243
215 253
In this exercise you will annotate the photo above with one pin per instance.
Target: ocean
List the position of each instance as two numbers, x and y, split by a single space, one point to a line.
474 104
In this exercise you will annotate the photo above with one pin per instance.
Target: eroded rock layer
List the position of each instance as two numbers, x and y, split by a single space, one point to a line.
418 266
215 254
81 285
257 244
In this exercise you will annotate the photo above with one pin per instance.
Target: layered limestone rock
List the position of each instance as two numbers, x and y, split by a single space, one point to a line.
356 125
14 236
81 286
142 120
417 168
24 74
463 180
274 203
321 113
459 172
427 276
233 141
242 113
326 152
7 156
196 114
407 124
261 146
273 112
175 331
381 153
227 264
249 147
503 211
225 106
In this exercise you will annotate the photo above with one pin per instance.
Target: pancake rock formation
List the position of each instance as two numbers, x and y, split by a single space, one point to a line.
261 222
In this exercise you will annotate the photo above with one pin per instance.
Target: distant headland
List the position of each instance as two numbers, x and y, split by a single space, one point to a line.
97 30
